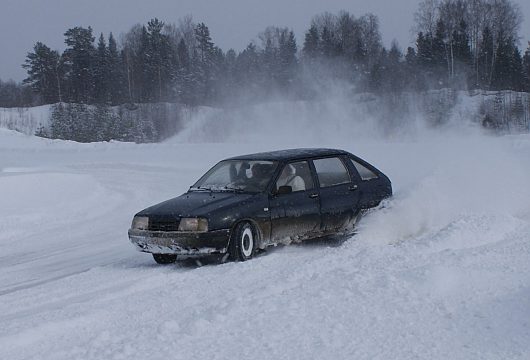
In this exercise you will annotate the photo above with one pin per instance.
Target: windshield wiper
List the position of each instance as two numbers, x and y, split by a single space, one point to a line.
234 189
201 188
217 189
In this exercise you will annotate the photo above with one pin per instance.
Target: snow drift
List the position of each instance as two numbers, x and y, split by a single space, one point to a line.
439 272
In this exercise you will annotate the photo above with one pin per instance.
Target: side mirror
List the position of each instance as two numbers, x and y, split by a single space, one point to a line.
286 189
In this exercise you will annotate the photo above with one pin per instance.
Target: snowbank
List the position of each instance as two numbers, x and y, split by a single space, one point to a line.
25 120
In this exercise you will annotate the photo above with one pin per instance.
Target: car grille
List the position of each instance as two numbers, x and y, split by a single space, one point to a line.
163 224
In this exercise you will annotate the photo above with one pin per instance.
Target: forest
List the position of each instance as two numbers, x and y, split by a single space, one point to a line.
460 45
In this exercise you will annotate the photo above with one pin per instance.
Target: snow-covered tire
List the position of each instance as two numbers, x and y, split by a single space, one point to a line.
165 258
243 242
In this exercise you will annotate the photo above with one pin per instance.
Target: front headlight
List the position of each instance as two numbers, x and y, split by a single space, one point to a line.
193 224
140 223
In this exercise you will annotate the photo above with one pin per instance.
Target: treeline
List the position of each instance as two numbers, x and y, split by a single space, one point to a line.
470 43
460 44
158 63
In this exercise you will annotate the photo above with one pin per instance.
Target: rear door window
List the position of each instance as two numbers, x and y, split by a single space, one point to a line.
364 172
331 172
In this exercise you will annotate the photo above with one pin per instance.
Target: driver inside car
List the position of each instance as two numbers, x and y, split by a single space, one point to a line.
289 177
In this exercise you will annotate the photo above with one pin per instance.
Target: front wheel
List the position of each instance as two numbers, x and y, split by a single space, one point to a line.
165 258
243 242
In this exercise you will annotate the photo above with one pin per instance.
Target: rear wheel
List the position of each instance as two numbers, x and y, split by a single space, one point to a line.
243 242
165 258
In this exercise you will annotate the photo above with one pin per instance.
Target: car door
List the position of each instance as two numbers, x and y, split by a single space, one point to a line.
295 215
371 186
339 194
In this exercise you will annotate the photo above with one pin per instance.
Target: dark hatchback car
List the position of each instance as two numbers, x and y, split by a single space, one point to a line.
246 203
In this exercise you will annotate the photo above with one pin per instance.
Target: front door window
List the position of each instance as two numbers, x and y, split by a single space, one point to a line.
297 175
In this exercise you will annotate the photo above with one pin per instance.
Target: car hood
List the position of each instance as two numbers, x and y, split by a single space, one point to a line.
195 203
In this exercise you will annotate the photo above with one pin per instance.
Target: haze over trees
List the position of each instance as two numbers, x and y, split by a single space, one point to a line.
460 45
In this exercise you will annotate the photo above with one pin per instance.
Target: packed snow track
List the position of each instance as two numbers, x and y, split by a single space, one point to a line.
441 272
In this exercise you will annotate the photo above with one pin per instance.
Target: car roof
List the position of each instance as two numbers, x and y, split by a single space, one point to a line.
290 154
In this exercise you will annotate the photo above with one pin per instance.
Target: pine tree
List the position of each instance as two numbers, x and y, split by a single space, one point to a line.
116 75
425 59
410 57
394 69
102 73
106 124
508 69
205 45
287 58
516 70
58 126
160 62
154 63
43 66
184 82
249 71
79 58
311 43
424 46
204 63
413 78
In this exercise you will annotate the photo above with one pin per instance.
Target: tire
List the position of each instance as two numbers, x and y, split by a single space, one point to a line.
242 245
165 259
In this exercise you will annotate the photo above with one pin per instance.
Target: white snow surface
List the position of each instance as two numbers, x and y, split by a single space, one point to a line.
441 272
26 120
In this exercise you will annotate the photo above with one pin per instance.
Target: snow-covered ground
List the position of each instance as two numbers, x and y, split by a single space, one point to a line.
443 272
25 120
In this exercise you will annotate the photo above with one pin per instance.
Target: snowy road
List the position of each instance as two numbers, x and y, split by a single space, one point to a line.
442 273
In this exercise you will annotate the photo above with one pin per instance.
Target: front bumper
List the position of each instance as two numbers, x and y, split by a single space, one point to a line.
180 243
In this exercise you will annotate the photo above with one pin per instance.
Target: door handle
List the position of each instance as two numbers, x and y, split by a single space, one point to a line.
353 188
313 196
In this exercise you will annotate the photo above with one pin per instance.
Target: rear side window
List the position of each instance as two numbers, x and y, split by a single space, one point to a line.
331 171
364 172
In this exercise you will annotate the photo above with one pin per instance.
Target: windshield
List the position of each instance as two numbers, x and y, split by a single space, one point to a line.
237 175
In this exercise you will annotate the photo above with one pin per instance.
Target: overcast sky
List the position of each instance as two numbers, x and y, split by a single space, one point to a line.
232 23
